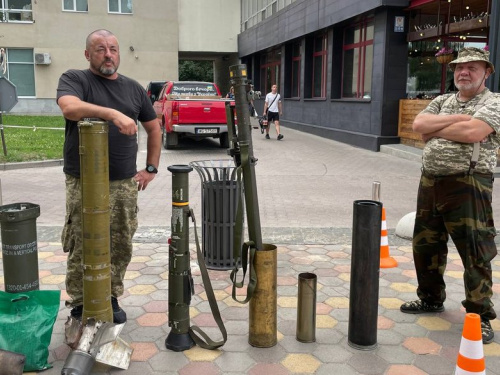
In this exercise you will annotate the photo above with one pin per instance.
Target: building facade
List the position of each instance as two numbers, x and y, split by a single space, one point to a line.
44 38
342 66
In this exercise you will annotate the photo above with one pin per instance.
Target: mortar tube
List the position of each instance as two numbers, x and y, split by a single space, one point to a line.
365 267
306 307
179 272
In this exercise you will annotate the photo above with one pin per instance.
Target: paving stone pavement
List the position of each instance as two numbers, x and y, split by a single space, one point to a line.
306 189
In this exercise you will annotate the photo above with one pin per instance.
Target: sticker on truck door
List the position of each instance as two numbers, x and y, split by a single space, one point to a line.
206 130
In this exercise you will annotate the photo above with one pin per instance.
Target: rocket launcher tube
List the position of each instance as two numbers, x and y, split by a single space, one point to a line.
94 183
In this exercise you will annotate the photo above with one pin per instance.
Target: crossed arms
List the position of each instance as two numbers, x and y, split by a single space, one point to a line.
458 128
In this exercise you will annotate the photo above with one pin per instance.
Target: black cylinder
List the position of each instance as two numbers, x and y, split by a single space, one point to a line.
365 266
19 246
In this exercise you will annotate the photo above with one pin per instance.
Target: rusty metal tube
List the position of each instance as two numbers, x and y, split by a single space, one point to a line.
94 180
263 317
306 307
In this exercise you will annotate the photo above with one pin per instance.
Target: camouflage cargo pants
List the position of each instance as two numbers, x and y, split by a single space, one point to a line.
123 219
460 207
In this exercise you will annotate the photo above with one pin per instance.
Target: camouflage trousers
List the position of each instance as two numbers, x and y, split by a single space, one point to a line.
123 224
459 207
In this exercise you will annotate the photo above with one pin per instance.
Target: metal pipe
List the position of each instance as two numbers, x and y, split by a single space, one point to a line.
239 81
365 267
306 307
94 183
179 272
376 191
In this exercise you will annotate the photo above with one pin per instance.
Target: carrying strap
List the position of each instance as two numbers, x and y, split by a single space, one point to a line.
272 102
204 341
248 249
476 147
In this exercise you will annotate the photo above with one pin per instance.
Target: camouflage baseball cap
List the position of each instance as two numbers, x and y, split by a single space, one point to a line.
469 54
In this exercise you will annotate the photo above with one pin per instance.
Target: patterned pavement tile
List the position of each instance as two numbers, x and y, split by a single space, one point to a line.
301 363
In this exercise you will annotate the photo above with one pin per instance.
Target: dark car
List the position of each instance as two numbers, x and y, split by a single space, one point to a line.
153 89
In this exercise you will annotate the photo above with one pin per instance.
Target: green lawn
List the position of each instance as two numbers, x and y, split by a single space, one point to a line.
38 138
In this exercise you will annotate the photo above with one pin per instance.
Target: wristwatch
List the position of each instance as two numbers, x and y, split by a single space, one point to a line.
151 168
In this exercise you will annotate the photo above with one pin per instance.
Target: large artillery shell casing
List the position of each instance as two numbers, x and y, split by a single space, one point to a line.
306 307
365 267
94 180
263 317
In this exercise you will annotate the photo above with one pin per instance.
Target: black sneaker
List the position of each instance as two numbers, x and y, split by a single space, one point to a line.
280 137
267 136
119 316
487 331
77 312
421 307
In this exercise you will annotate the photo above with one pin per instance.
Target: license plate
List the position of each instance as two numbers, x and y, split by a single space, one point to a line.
206 131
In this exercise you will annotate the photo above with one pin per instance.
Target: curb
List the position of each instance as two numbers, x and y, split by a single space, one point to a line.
31 164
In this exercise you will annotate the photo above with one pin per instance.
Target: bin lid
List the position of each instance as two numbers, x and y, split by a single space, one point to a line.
18 212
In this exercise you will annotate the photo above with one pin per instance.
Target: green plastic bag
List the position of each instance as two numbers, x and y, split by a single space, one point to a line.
26 323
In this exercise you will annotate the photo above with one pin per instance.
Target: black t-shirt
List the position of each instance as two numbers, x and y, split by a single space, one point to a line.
124 95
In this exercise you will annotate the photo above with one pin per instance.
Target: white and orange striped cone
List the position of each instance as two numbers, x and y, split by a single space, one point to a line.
470 359
386 261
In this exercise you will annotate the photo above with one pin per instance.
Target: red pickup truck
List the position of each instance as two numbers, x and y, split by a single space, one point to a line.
191 109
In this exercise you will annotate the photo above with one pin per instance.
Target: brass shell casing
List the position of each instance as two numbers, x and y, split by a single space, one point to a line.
263 317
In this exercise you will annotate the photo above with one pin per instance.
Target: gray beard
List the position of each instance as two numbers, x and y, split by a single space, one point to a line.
107 71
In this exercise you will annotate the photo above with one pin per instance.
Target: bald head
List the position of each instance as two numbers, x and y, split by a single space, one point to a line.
93 34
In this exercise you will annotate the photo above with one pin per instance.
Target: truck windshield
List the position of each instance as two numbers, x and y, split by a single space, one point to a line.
193 89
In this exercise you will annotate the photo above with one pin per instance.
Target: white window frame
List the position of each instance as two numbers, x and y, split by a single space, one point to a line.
74 7
31 63
27 14
120 8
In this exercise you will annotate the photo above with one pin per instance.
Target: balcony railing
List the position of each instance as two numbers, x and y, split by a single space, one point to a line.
16 15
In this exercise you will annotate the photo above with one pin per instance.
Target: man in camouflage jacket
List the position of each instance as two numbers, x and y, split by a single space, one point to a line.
455 192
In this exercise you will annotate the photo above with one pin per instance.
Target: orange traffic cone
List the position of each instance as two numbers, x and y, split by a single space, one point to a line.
470 356
386 261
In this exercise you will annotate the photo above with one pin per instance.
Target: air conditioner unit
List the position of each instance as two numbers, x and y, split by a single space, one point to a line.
42 58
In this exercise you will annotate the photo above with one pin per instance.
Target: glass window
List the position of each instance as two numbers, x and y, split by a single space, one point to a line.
358 60
16 11
21 71
319 66
120 6
76 5
270 65
295 93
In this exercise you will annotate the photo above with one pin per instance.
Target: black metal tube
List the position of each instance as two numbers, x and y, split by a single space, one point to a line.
180 287
365 266
19 246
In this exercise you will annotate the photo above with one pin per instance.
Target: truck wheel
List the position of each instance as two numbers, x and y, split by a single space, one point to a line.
170 140
224 140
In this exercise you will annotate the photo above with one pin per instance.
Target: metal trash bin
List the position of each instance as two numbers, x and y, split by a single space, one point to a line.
19 246
220 194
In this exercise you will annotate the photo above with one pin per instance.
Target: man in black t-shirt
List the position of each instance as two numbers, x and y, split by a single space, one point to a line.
100 92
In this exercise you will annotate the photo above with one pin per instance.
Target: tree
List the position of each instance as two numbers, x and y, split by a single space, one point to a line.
196 70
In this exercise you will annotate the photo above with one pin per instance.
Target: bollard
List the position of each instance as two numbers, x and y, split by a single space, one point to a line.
19 246
263 318
306 307
179 271
365 262
96 255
